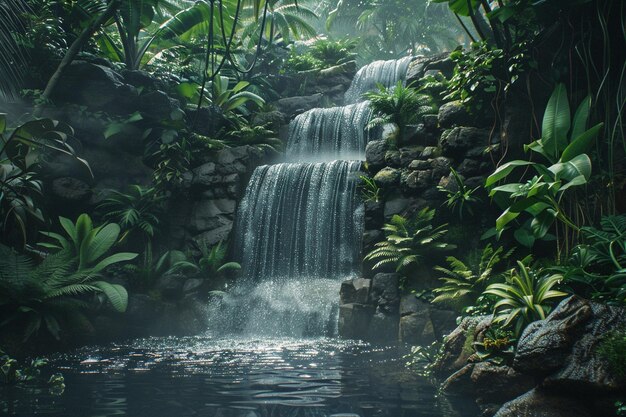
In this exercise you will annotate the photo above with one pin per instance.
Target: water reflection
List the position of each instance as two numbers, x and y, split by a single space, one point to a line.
201 376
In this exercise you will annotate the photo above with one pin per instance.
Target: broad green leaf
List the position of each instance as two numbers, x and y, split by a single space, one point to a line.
3 123
542 222
504 170
581 116
101 242
581 143
556 122
115 293
579 165
113 259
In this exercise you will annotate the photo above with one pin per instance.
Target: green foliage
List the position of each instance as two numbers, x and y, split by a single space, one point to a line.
51 294
136 211
407 241
401 105
211 262
422 359
484 74
613 350
333 52
259 137
14 373
370 191
298 62
563 144
461 198
171 162
146 273
87 244
595 268
22 150
12 58
526 296
465 282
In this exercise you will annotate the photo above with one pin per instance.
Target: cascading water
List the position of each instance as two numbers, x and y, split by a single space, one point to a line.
299 225
387 73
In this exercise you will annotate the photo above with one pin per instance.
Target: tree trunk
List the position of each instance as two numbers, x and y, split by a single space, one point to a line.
74 49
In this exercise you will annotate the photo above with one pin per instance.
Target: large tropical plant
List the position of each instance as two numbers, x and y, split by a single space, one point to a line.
52 294
526 296
88 245
563 146
400 105
22 151
408 240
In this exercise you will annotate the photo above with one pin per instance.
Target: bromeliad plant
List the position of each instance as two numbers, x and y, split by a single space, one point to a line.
407 241
526 296
563 145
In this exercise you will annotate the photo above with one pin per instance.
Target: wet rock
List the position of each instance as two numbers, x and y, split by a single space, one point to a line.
538 403
499 383
354 320
375 153
454 114
455 142
383 328
431 122
410 153
470 168
374 211
170 286
430 152
390 133
564 345
207 121
370 238
417 180
158 105
385 292
387 177
419 165
272 119
214 236
292 106
396 206
392 158
441 167
211 214
192 284
458 345
416 326
355 291
142 79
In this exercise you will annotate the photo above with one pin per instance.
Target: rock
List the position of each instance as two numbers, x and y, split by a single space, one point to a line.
499 383
374 211
417 328
213 237
271 119
354 320
355 291
71 190
458 345
392 158
419 135
383 328
474 182
387 177
192 284
410 304
370 238
170 286
142 309
410 153
158 105
460 383
211 214
385 292
431 122
430 152
471 168
345 68
92 85
396 206
563 347
419 165
454 114
292 106
538 403
205 174
455 142
417 180
390 133
440 63
206 121
441 167
142 79
375 153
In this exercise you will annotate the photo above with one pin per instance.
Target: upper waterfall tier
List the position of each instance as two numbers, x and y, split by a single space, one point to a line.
387 73
300 221
330 134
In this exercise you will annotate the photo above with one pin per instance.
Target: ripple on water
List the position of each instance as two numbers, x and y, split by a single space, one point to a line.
212 377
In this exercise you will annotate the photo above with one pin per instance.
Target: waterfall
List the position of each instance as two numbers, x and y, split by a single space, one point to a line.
387 73
330 134
299 225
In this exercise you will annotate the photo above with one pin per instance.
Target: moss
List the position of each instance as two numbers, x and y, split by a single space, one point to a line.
468 346
613 350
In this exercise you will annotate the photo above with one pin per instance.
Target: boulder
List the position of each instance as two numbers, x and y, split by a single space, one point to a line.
375 153
564 346
417 329
417 180
454 114
538 403
374 211
456 141
499 383
354 320
430 152
419 165
393 159
370 238
385 292
211 214
142 79
387 177
355 291
291 106
396 206
458 345
71 191
441 167
207 121
410 153
383 328
214 236
158 105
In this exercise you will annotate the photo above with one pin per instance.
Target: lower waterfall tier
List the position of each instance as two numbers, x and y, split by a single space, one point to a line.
300 221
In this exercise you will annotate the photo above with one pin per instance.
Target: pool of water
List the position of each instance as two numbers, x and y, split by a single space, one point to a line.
204 376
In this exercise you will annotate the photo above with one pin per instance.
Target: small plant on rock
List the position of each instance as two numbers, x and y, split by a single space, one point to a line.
462 198
370 191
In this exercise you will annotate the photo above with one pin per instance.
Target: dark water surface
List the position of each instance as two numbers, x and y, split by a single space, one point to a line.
201 376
